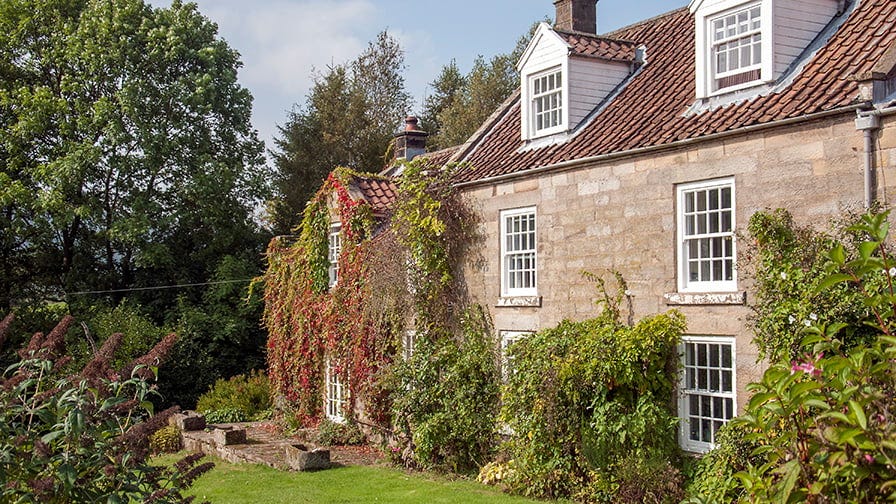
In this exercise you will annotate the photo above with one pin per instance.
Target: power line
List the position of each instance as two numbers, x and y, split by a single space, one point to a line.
159 287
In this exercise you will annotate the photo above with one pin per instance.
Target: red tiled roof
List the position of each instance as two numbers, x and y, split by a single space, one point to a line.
440 157
379 192
599 47
652 109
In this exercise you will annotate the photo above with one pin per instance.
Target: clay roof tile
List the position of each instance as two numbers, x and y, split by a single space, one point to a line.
652 108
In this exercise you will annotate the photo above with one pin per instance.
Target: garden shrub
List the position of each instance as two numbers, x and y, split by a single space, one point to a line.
495 472
588 399
787 263
83 435
447 397
240 398
331 433
820 424
165 440
225 415
712 476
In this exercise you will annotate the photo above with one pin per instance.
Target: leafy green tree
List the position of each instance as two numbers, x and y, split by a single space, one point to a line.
348 119
124 133
446 89
460 104
487 86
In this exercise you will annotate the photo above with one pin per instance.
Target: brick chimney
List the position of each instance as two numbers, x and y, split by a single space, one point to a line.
576 16
411 142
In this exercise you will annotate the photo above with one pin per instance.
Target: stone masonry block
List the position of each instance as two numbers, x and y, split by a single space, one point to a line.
300 458
231 436
188 421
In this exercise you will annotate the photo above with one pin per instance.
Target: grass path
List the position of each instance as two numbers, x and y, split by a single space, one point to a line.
243 483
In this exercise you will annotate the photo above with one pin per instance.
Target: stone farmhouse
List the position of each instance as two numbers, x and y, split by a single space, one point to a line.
647 149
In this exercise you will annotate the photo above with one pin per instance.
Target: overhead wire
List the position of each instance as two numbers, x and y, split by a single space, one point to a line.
159 287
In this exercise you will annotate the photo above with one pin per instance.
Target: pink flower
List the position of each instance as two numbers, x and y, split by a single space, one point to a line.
869 458
808 367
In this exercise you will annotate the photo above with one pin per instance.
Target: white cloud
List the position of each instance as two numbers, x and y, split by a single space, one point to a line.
281 41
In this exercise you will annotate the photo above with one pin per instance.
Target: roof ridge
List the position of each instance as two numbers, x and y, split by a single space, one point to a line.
645 21
595 36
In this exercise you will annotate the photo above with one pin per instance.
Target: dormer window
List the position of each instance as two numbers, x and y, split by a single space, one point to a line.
737 47
565 75
547 101
744 46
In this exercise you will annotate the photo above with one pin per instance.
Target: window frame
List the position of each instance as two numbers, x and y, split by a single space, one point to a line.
713 44
560 90
507 338
684 392
686 285
706 76
408 343
506 289
336 395
334 250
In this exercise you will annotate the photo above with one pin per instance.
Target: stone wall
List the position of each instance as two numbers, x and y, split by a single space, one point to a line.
621 215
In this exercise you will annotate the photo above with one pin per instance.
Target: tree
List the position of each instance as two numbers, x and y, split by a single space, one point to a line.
445 91
486 87
348 119
460 104
124 133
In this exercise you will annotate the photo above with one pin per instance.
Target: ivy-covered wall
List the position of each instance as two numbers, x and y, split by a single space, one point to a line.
403 277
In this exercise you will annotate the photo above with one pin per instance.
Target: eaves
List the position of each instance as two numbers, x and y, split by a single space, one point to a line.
612 156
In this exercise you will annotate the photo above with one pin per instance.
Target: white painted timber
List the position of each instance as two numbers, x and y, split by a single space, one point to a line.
590 82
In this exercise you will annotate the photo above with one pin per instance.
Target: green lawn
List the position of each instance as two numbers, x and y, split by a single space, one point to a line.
244 483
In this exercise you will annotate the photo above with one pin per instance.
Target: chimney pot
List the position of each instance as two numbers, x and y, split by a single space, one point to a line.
410 142
576 16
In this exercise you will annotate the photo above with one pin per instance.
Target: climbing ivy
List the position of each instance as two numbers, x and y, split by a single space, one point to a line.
307 320
400 278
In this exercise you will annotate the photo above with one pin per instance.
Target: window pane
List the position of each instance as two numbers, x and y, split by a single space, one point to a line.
706 406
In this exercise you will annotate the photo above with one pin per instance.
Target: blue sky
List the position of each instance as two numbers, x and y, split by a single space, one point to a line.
283 41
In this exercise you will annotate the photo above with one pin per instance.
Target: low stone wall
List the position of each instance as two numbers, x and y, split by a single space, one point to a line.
248 443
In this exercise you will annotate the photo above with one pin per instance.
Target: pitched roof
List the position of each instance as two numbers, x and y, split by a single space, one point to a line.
581 44
379 192
440 157
652 110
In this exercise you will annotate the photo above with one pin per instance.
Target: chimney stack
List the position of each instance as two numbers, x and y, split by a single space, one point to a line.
576 16
411 142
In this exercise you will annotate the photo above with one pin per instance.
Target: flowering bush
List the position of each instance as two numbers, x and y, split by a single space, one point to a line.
818 427
83 436
824 422
787 263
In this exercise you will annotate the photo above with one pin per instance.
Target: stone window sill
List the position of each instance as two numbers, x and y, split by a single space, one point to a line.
518 301
701 299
